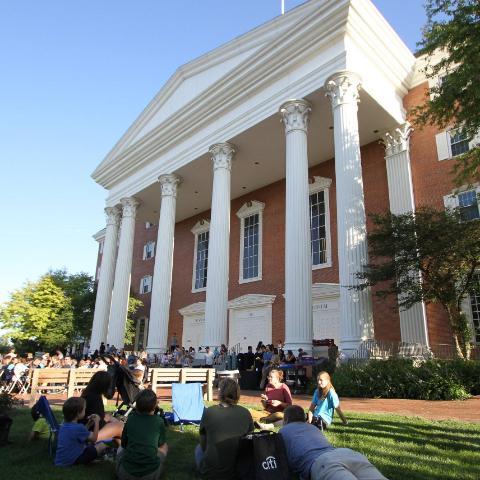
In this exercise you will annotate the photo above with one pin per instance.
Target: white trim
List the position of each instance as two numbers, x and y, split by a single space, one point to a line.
145 282
251 300
450 201
248 209
192 309
145 248
100 235
319 184
200 227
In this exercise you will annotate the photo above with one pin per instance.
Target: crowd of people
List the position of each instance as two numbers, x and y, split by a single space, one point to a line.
140 444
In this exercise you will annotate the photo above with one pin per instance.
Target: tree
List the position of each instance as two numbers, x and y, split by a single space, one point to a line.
439 245
130 327
80 288
39 315
453 27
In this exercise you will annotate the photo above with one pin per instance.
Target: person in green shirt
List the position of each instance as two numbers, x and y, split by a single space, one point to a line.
143 448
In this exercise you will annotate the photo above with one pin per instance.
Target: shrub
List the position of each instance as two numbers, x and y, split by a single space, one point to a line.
6 401
405 378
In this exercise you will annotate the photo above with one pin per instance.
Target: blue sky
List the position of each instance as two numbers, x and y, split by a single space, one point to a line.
73 76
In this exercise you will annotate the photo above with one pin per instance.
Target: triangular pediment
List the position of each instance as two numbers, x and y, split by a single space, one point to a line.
192 79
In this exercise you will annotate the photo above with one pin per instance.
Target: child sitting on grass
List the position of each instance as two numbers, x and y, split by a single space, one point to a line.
40 427
143 449
72 447
324 403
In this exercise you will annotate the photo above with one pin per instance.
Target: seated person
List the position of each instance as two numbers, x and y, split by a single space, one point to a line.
220 430
97 387
324 403
40 428
144 449
290 357
72 448
310 454
276 398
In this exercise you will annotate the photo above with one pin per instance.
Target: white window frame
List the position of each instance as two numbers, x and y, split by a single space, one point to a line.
149 225
444 145
145 250
451 201
200 227
318 184
137 333
248 209
145 281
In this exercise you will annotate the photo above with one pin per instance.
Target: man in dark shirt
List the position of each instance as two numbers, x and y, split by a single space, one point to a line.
248 359
312 456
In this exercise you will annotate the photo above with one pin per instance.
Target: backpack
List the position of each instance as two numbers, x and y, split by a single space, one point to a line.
262 456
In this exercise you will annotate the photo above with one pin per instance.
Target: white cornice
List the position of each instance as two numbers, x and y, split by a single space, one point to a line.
251 300
323 290
249 208
201 226
193 309
319 183
100 235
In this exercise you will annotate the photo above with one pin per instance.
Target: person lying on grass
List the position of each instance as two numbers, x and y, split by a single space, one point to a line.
73 437
311 455
276 398
143 448
324 403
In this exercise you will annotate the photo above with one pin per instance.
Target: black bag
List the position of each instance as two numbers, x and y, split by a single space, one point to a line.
262 456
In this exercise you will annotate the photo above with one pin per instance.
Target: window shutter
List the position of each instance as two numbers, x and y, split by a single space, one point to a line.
141 285
475 142
144 252
450 201
443 150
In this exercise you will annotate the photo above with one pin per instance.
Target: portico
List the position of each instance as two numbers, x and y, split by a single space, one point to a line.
192 154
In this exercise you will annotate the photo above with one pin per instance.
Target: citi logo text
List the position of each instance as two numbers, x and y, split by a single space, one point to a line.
270 463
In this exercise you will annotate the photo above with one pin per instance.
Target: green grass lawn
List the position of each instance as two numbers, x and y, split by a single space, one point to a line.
402 448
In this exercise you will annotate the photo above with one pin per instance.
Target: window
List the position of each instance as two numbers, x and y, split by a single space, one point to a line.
320 222
149 225
200 257
251 225
459 142
141 334
146 284
466 202
149 250
452 143
468 205
475 305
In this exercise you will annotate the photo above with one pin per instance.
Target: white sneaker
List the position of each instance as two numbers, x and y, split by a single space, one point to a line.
264 426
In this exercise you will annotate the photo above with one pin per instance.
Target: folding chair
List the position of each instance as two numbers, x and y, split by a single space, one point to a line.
187 403
44 409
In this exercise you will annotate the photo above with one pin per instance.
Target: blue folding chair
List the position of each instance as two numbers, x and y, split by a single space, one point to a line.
187 403
43 407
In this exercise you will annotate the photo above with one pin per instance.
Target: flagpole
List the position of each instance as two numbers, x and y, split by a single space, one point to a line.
283 7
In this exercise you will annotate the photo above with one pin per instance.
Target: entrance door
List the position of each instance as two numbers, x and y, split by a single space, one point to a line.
193 331
326 320
249 326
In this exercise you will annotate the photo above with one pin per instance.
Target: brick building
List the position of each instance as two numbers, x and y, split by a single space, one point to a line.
255 167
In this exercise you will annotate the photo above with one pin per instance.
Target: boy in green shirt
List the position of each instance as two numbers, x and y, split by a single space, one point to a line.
144 449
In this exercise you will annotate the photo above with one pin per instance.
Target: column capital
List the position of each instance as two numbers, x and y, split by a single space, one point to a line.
113 215
129 206
169 184
397 139
343 87
222 155
295 115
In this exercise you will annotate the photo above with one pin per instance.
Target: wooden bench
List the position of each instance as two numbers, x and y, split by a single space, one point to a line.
50 380
79 379
164 377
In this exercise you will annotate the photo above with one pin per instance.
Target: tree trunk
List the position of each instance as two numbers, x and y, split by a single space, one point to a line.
461 331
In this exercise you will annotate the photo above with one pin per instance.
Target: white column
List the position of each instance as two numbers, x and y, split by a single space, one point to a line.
298 257
121 285
355 306
162 273
105 281
413 321
216 308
